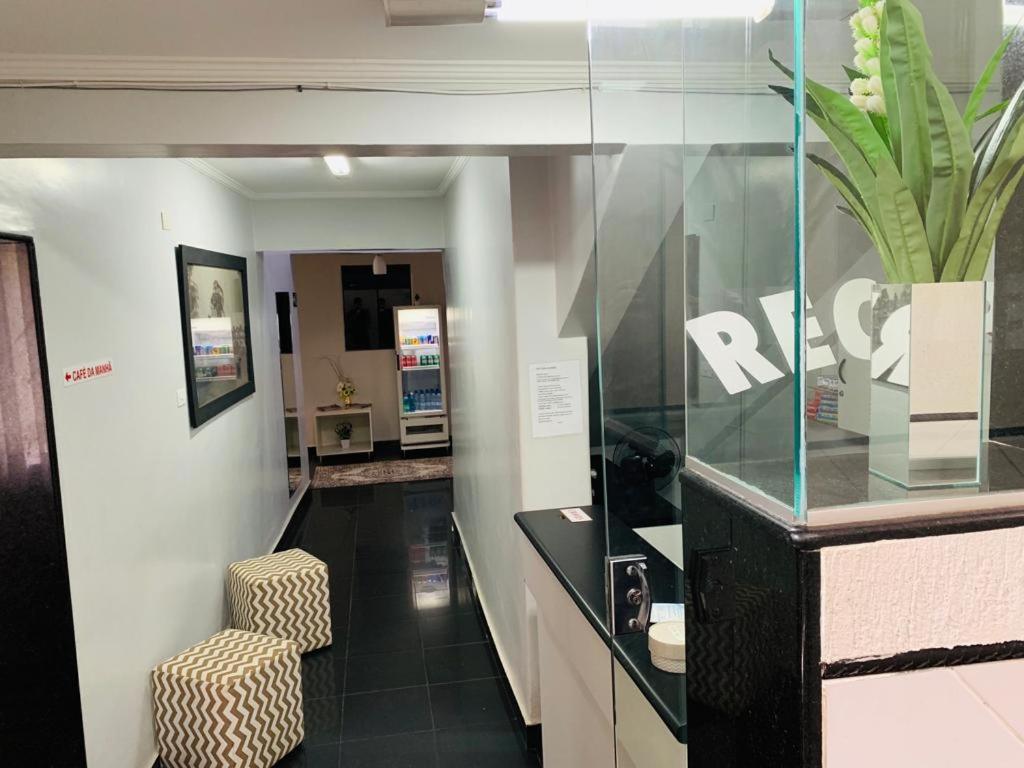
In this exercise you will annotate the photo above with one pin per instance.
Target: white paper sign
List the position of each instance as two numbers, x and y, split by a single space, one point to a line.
88 372
555 396
575 515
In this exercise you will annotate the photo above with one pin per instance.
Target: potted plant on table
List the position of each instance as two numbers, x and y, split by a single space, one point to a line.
930 187
345 388
343 430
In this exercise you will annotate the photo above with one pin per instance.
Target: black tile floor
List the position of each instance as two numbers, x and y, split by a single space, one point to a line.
412 680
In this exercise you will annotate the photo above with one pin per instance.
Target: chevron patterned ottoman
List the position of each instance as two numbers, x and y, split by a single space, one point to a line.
233 701
283 595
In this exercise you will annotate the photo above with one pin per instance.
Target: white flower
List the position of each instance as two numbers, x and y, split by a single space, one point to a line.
864 46
860 102
870 23
860 87
873 67
860 63
876 104
880 7
866 13
875 84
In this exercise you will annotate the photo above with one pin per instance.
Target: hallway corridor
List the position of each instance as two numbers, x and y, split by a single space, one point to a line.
412 680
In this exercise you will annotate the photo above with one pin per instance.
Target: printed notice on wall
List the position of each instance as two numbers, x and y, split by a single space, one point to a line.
555 396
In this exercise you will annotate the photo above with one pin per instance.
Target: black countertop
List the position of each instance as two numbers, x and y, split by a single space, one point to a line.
575 552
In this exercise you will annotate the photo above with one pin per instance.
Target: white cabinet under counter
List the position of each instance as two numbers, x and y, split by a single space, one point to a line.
602 703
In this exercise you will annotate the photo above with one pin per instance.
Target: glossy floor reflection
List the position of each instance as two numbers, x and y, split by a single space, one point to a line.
412 680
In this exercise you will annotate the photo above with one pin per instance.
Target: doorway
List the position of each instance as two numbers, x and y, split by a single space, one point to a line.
37 653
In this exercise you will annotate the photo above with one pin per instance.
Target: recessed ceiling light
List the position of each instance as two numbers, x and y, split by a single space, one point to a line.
338 164
638 10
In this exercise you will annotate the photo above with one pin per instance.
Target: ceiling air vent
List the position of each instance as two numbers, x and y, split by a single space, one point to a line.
420 13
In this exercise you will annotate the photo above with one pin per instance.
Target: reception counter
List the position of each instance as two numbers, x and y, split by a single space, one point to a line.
564 564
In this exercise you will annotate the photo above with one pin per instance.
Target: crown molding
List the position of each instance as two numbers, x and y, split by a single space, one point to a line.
394 74
469 76
453 173
214 173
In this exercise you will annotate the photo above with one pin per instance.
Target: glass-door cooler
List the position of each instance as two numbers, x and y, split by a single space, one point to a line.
422 390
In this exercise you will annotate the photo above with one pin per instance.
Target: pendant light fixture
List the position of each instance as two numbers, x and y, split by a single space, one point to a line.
380 267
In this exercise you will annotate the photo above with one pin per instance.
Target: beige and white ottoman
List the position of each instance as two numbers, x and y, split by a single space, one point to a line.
233 701
283 595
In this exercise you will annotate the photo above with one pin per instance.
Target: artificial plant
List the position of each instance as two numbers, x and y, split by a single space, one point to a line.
930 201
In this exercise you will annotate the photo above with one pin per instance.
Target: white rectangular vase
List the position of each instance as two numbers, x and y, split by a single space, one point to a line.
928 383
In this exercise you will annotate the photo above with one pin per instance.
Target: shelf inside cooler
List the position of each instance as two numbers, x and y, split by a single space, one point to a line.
410 414
421 368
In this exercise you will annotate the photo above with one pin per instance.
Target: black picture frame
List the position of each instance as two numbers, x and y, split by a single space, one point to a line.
201 411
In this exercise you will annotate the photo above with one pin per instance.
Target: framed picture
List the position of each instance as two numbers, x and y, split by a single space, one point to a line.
214 293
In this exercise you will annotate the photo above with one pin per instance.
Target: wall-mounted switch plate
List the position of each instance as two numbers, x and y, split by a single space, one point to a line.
165 221
181 397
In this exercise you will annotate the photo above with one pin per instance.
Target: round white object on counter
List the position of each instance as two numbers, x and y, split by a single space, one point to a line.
666 641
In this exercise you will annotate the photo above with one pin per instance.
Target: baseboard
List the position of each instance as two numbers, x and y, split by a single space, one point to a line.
286 537
502 655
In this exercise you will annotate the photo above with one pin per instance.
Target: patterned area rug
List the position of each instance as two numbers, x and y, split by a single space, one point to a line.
404 471
294 478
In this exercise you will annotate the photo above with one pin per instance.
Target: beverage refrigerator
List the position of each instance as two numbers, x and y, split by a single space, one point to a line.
422 389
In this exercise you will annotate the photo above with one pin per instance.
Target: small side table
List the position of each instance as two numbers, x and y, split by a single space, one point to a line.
361 419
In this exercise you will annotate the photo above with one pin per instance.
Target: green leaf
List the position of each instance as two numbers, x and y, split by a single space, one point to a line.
952 163
892 97
978 263
1005 131
903 227
983 199
911 69
978 94
998 108
852 73
860 212
881 123
840 112
853 157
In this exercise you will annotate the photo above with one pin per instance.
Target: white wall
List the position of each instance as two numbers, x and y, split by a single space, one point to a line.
485 413
555 471
502 316
349 224
153 510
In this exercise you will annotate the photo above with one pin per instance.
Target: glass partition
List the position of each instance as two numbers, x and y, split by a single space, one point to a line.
912 402
862 156
806 269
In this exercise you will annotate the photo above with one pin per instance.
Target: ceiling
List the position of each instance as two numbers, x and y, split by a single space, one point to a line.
308 177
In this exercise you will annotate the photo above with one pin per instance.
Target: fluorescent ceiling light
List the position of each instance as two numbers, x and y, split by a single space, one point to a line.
338 164
380 267
631 10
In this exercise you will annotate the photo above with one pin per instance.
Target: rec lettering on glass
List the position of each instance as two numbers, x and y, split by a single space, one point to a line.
730 343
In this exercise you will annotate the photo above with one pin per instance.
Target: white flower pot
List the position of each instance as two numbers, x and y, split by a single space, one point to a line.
928 383
346 443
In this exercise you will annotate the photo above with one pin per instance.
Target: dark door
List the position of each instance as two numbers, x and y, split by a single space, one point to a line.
40 707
